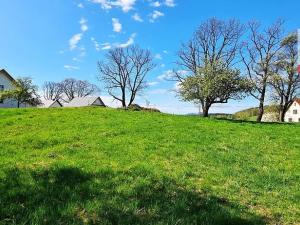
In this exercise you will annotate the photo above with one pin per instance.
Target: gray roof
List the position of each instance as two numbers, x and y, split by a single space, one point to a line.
49 103
7 74
85 101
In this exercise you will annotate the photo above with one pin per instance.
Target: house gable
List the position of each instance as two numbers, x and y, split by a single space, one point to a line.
6 80
7 83
98 102
3 72
293 113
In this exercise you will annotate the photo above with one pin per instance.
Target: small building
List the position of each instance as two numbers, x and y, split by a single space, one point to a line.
270 117
293 113
86 101
7 83
51 104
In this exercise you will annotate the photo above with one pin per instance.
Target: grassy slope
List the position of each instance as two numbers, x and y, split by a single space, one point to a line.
102 166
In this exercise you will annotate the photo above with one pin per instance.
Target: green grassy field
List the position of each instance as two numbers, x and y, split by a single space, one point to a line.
105 166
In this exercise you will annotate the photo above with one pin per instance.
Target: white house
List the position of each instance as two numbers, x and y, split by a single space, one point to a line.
86 101
293 113
7 83
50 104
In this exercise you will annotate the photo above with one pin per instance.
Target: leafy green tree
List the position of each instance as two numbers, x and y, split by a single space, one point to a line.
25 92
213 84
209 59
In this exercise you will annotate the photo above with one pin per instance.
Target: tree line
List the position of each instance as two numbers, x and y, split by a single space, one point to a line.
68 89
25 92
222 61
228 60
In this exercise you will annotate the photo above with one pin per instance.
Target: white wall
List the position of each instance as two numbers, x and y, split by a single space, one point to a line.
8 85
293 114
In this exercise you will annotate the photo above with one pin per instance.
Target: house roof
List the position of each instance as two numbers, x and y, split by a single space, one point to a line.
297 100
3 71
84 101
49 103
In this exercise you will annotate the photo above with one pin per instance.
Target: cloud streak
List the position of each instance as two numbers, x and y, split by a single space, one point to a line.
137 17
155 15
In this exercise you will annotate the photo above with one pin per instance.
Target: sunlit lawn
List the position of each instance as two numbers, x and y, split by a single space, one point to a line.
105 166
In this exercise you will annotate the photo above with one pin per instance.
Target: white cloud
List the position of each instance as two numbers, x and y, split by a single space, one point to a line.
158 56
137 17
75 39
152 83
158 91
83 25
104 3
165 52
96 44
128 43
169 3
125 5
80 5
177 86
167 75
73 42
155 15
70 67
117 26
106 46
155 4
75 59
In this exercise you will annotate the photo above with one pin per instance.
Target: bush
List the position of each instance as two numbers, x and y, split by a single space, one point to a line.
136 107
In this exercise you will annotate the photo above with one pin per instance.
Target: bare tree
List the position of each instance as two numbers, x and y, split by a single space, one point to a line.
52 90
208 59
259 56
72 88
123 73
286 81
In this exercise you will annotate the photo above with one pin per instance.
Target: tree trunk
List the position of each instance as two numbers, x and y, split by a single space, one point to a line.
205 109
18 104
261 103
281 115
205 113
283 111
260 111
124 98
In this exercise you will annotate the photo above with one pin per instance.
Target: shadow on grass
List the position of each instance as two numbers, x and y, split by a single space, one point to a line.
255 122
71 196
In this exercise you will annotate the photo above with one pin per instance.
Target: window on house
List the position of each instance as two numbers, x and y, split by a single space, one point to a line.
1 89
295 112
290 120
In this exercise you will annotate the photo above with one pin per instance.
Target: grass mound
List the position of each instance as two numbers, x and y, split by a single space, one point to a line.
105 166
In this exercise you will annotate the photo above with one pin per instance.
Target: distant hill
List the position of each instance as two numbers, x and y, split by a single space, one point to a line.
251 113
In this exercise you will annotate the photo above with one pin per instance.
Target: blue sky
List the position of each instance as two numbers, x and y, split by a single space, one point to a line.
53 40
